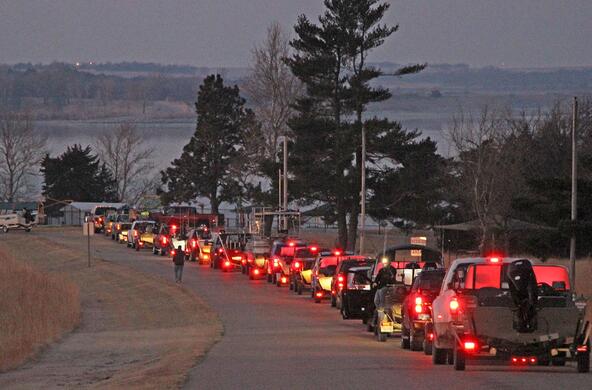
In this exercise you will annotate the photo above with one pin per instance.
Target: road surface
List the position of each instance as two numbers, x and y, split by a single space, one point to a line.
274 338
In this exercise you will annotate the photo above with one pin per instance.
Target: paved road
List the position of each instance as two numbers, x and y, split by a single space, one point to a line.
276 339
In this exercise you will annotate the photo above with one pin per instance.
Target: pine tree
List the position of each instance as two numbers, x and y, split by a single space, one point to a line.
77 175
205 166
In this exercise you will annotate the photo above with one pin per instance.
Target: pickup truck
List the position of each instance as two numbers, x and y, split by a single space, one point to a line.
509 310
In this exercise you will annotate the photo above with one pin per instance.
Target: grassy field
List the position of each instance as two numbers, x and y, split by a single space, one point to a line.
36 308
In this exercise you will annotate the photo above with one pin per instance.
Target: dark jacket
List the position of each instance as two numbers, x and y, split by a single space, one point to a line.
179 258
385 276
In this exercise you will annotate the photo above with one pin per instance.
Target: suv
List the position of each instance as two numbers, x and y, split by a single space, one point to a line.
417 308
339 281
277 264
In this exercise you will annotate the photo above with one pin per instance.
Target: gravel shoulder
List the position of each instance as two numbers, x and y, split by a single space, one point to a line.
137 330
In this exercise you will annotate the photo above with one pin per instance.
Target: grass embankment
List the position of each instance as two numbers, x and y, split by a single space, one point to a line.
36 308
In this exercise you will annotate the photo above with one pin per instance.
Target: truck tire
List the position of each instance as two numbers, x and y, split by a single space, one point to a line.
415 343
583 360
427 347
405 344
459 358
439 356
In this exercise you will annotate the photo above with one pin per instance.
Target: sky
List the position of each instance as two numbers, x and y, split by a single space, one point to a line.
222 33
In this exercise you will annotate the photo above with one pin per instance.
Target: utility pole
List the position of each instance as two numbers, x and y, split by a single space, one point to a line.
574 194
363 191
285 181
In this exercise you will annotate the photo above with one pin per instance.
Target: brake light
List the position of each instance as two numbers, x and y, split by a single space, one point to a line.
227 263
431 336
284 280
582 348
470 345
533 360
454 305
100 219
275 263
256 271
220 250
243 261
291 243
206 257
337 252
193 243
418 300
164 240
135 233
173 252
296 264
118 226
313 249
173 227
319 294
494 260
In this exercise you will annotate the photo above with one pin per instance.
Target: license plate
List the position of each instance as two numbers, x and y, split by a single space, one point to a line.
423 317
386 328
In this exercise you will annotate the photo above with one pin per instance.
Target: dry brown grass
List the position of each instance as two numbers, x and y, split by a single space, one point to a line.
36 308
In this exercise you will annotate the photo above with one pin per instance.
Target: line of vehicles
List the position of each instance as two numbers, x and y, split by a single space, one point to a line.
494 309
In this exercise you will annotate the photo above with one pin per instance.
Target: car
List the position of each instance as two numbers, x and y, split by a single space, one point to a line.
142 234
304 261
257 251
322 274
339 281
229 252
278 263
199 248
417 308
162 243
356 294
99 216
115 226
509 310
122 231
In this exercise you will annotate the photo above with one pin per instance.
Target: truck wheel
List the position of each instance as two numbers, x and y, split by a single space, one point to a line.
415 343
583 360
427 347
459 358
439 355
405 344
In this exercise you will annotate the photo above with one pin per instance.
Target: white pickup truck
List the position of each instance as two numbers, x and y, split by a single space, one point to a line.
509 310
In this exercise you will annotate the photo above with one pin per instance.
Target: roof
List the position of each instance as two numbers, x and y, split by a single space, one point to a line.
88 206
483 260
18 205
510 224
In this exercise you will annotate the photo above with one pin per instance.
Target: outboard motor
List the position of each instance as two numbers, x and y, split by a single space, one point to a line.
523 289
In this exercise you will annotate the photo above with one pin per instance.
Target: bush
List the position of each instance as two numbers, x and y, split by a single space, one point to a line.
36 308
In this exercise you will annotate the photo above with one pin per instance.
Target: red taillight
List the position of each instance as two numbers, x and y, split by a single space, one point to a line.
284 280
206 257
313 249
418 300
494 259
296 264
100 219
118 226
418 304
193 243
243 261
431 336
454 305
470 345
135 233
533 360
173 227
291 243
340 278
337 253
340 281
141 243
173 252
319 294
227 263
275 263
256 271
418 308
582 348
164 240
514 360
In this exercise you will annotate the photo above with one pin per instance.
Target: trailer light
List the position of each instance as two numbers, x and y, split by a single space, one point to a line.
194 243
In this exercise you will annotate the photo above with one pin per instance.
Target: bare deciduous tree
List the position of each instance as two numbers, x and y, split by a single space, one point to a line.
272 87
21 151
124 152
488 166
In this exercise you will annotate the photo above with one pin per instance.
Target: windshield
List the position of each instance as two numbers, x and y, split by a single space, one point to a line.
303 254
431 281
144 227
104 210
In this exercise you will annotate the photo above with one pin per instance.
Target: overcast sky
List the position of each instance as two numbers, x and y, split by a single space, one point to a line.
514 33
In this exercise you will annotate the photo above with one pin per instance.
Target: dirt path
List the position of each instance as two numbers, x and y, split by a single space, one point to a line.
137 331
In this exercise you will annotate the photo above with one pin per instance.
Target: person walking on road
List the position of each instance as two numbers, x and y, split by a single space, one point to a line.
179 260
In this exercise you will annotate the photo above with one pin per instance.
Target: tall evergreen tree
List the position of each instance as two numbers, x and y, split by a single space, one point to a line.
331 61
205 166
78 175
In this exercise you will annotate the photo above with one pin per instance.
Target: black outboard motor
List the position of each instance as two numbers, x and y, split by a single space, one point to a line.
523 289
